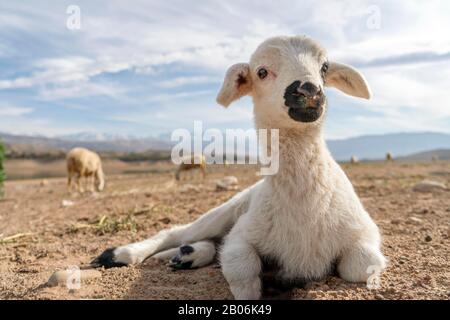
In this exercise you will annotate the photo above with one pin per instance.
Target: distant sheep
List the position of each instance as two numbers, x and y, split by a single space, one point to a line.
83 163
389 157
189 163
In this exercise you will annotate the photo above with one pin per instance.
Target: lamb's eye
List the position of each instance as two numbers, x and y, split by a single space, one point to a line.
324 68
262 73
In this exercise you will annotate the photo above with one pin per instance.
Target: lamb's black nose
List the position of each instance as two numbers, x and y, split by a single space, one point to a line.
305 101
298 95
309 89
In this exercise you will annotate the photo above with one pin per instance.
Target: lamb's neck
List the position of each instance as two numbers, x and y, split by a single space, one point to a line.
304 160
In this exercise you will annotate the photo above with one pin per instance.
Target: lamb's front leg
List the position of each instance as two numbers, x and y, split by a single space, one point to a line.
241 267
213 224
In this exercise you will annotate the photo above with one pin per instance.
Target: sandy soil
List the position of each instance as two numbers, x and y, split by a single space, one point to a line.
415 227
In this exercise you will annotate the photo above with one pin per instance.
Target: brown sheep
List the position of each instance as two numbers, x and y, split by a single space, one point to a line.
189 164
83 163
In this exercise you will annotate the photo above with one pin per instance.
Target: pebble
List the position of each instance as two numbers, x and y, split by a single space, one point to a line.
415 220
227 183
165 220
428 186
379 296
67 203
62 276
427 277
428 238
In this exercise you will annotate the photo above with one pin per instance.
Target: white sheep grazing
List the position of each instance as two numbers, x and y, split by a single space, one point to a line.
307 217
83 163
354 160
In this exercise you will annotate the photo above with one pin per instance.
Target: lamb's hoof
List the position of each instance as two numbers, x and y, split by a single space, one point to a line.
107 260
183 260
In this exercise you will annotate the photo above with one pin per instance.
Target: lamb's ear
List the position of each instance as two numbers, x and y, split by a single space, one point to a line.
237 83
348 80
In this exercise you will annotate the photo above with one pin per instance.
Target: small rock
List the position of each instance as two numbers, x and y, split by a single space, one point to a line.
415 220
395 221
62 277
227 183
67 203
428 186
428 238
402 260
165 220
427 277
379 296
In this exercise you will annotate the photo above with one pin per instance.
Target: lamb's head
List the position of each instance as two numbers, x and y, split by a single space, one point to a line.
100 180
286 78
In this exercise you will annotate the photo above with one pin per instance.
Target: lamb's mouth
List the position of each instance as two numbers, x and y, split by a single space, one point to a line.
307 114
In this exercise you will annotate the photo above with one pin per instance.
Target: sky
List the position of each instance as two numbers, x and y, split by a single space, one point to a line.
145 68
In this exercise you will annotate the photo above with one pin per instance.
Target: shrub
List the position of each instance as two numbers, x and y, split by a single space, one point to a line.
2 170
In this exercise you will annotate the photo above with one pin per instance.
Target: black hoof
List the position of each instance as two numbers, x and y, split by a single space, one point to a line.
176 263
186 250
106 260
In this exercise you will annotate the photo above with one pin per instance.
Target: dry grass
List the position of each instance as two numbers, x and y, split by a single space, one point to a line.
106 225
14 238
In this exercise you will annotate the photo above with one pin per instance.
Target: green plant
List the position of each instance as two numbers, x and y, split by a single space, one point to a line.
2 170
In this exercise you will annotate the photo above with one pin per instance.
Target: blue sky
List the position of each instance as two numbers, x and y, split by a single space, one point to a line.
147 67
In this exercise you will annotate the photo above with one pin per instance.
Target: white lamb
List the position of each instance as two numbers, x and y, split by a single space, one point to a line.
307 217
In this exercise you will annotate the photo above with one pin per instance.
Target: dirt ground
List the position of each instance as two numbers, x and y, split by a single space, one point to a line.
50 236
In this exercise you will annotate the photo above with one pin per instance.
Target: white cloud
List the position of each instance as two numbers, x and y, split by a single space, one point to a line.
168 117
12 111
181 81
146 36
81 89
41 127
173 97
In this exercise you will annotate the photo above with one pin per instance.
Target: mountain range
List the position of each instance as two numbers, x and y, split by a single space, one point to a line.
371 147
368 147
98 142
